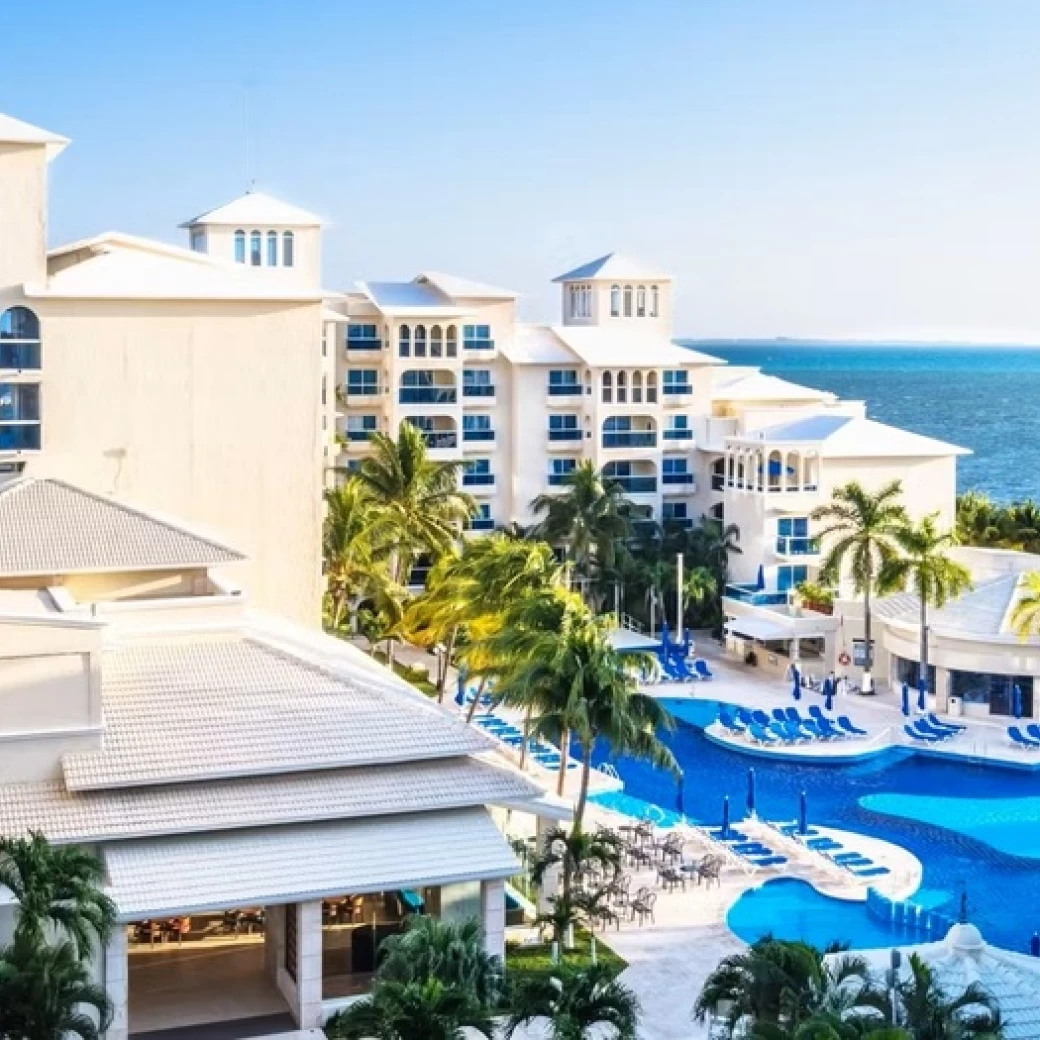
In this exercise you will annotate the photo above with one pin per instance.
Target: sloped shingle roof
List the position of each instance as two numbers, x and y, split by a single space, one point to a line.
256 207
612 265
983 611
50 527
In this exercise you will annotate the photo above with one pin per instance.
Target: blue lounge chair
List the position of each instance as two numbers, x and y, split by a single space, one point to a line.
731 722
760 735
824 844
816 712
791 830
701 668
847 724
938 723
828 730
1019 739
930 731
751 848
849 859
767 861
783 734
871 872
733 835
743 715
921 738
760 717
1033 730
780 715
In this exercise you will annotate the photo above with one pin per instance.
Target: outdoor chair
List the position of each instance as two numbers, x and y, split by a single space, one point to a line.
643 908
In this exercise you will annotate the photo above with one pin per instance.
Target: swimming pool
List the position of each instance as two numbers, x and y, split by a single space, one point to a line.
975 828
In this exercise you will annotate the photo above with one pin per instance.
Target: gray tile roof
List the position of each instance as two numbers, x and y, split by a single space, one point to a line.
227 706
89 816
285 864
50 527
980 612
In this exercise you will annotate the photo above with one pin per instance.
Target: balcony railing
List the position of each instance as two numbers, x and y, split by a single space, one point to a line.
478 390
20 356
478 435
676 478
565 389
684 523
678 435
481 523
362 390
565 435
363 343
440 440
478 479
23 437
360 435
637 485
676 389
558 479
787 545
427 395
756 597
630 439
478 344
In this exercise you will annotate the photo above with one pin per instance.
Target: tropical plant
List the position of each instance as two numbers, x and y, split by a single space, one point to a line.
590 519
46 993
55 887
860 534
925 567
576 1004
815 596
1025 614
1014 525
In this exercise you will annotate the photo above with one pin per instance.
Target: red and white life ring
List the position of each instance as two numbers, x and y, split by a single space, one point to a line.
844 659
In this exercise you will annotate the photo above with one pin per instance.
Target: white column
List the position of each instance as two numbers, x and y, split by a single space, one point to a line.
308 978
274 941
942 689
117 983
493 916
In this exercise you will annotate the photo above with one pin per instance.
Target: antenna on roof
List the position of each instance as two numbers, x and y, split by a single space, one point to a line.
247 133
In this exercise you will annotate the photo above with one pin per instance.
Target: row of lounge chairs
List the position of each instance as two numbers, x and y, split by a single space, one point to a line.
787 725
1030 739
754 852
932 730
544 754
858 865
674 667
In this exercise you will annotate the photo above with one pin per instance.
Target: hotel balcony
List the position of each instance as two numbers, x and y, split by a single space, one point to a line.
712 432
565 440
623 433
478 440
427 395
630 439
564 395
675 394
479 393
20 357
479 483
678 483
440 433
756 597
369 396
635 478
360 345
800 547
19 436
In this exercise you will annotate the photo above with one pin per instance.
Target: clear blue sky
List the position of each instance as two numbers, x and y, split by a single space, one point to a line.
832 168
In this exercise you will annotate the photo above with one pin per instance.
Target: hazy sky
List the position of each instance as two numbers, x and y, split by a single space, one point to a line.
849 168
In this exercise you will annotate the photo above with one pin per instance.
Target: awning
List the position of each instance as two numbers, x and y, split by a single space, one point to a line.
760 628
192 874
625 639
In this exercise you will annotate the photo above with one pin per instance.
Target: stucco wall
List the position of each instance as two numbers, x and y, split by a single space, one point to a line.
23 218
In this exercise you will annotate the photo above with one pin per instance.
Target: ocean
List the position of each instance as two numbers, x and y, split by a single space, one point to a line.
985 398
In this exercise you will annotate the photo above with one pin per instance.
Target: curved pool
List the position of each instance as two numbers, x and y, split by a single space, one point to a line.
975 829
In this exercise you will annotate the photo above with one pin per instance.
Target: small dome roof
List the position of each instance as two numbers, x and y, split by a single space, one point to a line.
965 938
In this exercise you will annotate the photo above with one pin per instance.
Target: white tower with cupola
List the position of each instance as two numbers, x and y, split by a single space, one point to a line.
616 292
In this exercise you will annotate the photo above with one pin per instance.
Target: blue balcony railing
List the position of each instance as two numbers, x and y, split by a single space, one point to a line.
678 435
565 435
787 545
755 596
630 439
436 439
427 395
478 479
557 479
637 485
478 344
676 389
20 356
565 389
481 523
683 523
478 390
360 435
24 437
478 435
676 478
362 389
362 343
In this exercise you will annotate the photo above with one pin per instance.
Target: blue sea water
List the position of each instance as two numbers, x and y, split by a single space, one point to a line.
979 397
972 826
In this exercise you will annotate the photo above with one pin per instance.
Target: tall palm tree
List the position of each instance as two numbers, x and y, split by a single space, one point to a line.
925 567
418 499
860 530
46 993
576 1004
1025 614
55 887
589 519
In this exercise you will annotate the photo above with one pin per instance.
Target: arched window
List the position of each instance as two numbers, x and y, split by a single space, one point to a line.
240 247
288 249
615 301
19 339
272 248
608 388
404 341
453 341
628 301
653 301
420 341
637 387
256 242
641 302
19 323
586 307
622 390
651 388
436 341
794 469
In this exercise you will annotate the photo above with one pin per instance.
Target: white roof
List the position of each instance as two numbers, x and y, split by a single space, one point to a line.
626 639
737 385
117 266
613 266
463 288
50 527
537 345
227 705
14 131
601 347
849 437
410 299
310 861
963 957
69 817
256 208
761 628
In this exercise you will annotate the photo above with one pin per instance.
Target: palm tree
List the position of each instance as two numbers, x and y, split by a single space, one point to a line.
417 498
419 1010
700 585
576 1004
862 527
45 993
925 567
55 886
590 518
1025 614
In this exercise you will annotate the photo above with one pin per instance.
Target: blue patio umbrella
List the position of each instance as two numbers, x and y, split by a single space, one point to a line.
922 694
687 642
760 580
803 814
1034 944
664 635
906 699
725 817
751 791
460 696
680 796
1016 701
796 679
828 693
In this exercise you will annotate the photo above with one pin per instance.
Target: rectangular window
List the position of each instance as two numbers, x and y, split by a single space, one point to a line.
674 471
676 381
477 337
560 468
198 241
674 511
20 402
793 526
563 382
564 428
482 521
476 382
363 381
477 473
272 248
477 428
361 427
678 429
790 577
